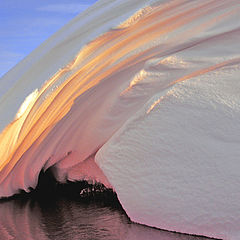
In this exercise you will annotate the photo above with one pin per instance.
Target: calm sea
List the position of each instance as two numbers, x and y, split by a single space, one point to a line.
64 219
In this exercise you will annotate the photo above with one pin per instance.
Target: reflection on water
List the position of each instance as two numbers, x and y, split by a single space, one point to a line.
65 219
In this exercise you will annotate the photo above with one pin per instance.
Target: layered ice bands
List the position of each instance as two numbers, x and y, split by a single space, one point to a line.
143 96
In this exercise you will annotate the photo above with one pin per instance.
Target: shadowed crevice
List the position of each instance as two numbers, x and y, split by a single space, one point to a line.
49 190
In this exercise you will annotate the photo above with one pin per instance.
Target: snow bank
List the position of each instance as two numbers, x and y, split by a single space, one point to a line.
154 101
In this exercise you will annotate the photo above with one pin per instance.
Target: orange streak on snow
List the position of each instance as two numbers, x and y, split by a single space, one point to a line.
110 53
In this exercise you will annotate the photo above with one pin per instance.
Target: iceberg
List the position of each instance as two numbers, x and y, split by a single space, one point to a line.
142 96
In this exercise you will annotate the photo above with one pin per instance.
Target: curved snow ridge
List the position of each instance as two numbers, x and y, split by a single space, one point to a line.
149 107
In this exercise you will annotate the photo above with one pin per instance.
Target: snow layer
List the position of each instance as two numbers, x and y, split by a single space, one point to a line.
154 101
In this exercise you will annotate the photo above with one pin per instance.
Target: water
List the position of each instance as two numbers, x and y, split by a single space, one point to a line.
63 219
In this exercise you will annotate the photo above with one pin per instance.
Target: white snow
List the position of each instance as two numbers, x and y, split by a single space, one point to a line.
149 106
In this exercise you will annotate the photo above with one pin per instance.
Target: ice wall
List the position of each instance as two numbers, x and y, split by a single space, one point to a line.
154 101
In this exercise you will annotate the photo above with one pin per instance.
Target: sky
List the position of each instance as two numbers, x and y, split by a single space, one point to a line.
25 24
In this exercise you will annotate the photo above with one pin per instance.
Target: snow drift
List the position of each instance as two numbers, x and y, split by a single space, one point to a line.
142 96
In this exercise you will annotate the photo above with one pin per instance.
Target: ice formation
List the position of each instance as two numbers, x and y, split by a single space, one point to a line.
142 96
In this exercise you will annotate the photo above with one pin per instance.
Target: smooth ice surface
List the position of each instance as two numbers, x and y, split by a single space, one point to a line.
146 101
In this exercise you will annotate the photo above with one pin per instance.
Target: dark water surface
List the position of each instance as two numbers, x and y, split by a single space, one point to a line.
63 219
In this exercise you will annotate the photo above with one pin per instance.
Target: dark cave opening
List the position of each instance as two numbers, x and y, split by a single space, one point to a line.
49 189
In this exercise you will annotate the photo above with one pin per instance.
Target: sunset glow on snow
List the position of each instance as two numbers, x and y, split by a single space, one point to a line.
135 93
